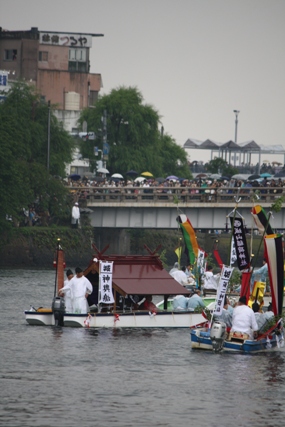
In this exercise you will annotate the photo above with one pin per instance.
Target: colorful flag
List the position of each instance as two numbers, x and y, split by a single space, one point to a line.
261 220
190 239
178 252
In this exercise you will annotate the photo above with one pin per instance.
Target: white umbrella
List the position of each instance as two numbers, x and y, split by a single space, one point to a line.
241 176
117 175
103 170
215 176
140 179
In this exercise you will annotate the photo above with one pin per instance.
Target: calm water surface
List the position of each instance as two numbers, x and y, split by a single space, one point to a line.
80 377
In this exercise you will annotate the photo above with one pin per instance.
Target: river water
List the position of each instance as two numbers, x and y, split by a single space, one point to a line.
81 377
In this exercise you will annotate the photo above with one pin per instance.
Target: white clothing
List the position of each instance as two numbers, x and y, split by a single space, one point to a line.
180 277
75 215
260 319
195 301
244 320
180 302
79 287
211 280
67 296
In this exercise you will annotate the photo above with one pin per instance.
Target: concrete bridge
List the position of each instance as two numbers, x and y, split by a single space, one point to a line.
156 207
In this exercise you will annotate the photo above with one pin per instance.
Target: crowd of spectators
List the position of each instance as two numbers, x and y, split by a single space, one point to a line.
205 186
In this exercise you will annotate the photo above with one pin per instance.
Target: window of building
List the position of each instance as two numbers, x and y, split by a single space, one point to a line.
43 56
77 60
10 55
93 97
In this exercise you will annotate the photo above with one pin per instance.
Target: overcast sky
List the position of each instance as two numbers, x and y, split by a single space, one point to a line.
194 61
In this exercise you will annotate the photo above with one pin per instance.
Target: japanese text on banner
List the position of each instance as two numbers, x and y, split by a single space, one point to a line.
105 280
222 289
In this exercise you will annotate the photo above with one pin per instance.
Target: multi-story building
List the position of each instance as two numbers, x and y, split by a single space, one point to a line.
58 64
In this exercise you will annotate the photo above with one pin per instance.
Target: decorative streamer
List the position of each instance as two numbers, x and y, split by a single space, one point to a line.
261 220
275 262
189 238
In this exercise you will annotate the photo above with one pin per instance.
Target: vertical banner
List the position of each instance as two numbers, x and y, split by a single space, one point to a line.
105 282
243 260
275 262
222 289
233 252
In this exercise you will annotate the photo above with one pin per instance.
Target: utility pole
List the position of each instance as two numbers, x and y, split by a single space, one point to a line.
236 124
105 145
48 142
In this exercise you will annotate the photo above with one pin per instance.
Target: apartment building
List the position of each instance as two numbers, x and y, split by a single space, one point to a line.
57 63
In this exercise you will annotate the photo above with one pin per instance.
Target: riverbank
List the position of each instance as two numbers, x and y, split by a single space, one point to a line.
34 247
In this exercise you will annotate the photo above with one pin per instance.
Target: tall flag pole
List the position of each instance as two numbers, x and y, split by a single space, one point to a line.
190 239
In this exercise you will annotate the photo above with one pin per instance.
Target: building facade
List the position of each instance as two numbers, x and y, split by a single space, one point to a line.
57 64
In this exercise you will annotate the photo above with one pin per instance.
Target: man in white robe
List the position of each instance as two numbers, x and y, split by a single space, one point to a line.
244 320
80 288
180 277
210 280
75 216
67 292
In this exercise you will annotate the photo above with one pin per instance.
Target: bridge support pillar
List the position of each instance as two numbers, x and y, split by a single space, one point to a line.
118 239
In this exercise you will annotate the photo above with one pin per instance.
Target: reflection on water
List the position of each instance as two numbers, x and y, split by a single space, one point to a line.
84 377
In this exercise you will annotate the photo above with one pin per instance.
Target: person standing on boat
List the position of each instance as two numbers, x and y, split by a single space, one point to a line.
80 288
66 292
262 273
244 319
210 280
75 216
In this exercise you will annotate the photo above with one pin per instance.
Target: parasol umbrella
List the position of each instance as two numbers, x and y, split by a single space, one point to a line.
173 177
146 174
240 177
160 179
132 173
224 178
74 177
215 176
201 175
253 177
280 174
140 179
103 170
266 175
117 175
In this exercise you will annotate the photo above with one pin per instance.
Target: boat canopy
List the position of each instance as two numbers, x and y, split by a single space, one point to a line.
139 275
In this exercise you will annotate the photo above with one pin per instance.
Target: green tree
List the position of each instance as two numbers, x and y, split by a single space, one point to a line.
218 165
133 136
24 177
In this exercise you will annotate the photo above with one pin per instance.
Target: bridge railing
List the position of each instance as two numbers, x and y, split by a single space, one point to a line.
134 195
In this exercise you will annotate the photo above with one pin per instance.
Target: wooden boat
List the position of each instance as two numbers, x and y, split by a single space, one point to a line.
132 275
204 339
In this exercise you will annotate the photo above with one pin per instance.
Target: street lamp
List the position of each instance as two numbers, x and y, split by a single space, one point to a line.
48 142
236 122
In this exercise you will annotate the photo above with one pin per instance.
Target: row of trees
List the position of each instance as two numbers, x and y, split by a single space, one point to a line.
133 136
24 178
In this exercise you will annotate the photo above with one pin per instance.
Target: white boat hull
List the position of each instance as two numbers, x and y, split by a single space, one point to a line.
136 319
